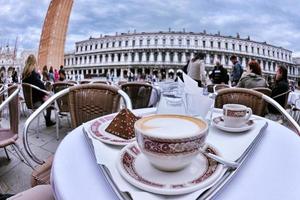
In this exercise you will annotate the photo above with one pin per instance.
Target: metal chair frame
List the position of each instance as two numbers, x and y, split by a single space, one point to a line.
38 111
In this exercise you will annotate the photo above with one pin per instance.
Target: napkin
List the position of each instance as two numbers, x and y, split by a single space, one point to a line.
190 85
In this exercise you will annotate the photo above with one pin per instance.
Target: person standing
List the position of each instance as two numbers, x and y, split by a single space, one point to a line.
45 73
237 70
219 74
15 76
196 69
62 73
32 77
56 75
51 74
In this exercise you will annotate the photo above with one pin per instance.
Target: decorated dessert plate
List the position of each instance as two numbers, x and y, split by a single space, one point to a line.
219 123
137 170
97 130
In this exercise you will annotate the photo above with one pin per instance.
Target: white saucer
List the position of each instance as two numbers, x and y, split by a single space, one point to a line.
97 130
219 123
137 170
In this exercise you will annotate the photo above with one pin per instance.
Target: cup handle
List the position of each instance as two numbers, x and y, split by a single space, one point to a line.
249 113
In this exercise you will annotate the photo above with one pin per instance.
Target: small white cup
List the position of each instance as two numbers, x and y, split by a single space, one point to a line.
236 115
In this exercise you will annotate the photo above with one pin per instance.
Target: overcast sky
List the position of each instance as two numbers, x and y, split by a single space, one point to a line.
276 22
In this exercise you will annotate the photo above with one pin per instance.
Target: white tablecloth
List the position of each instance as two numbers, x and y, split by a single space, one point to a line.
271 172
293 96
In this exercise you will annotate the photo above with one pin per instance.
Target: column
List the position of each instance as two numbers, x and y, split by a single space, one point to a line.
136 57
244 64
151 71
109 58
122 74
215 58
192 55
151 56
135 71
167 57
122 58
223 60
115 72
159 57
207 59
184 57
144 57
175 57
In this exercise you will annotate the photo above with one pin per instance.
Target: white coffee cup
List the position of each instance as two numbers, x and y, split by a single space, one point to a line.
170 142
236 115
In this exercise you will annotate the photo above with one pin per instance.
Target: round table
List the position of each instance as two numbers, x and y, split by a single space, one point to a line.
270 172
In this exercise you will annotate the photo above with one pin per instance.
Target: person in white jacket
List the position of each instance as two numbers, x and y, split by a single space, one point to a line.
196 69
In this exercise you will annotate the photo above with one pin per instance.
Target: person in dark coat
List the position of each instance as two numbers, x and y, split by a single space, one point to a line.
32 77
237 70
281 86
219 74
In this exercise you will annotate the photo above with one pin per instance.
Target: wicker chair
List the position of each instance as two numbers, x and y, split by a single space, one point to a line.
247 97
92 100
255 100
210 88
103 82
84 82
27 93
139 93
62 103
8 137
72 82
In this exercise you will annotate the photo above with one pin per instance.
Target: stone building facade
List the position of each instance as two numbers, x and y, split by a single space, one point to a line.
162 51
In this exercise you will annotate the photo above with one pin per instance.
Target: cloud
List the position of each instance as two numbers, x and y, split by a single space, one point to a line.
275 22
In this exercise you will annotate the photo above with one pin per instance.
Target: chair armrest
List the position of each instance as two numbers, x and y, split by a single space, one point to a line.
283 112
33 116
126 98
41 90
11 97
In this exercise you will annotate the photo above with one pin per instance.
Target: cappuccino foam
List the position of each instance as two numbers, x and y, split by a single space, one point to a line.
170 126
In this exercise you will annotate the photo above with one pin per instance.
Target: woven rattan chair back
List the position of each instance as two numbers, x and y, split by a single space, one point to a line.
263 90
90 101
27 93
102 82
84 82
247 97
139 93
63 102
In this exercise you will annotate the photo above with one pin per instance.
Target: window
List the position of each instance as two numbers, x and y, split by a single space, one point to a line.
164 41
163 56
240 47
133 43
257 50
246 48
155 56
277 54
219 45
268 52
77 48
156 42
171 57
179 57
180 42
91 47
95 58
96 46
188 42
263 51
148 56
203 43
140 56
273 53
126 43
85 48
148 42
252 49
90 59
101 46
120 43
196 43
141 42
172 42
119 57
233 46
212 44
113 44
132 56
107 45
112 57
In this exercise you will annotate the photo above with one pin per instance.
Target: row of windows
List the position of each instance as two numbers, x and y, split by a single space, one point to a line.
212 44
